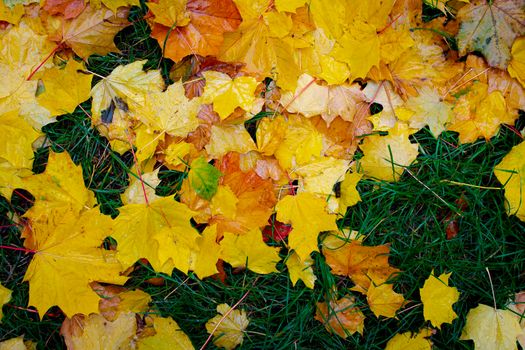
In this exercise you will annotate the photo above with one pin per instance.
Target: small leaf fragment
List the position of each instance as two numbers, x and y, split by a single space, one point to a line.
228 331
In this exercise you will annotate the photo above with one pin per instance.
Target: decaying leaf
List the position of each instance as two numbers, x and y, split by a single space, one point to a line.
168 335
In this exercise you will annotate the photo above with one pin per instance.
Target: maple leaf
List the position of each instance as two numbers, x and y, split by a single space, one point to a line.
5 296
227 327
92 32
116 300
341 317
257 42
170 13
64 89
203 34
383 301
11 177
320 175
437 298
308 217
67 258
168 335
479 113
16 145
407 340
227 94
124 89
169 112
363 264
349 194
113 5
141 190
250 251
204 261
11 14
59 188
204 178
309 98
301 270
229 138
511 173
386 156
491 328
68 8
16 344
159 232
491 27
95 332
516 66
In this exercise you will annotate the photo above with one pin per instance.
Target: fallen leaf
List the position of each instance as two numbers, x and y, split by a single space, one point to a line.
5 296
95 332
203 35
341 317
168 336
227 327
250 251
301 270
204 178
408 340
516 66
67 258
383 300
437 298
491 328
308 217
16 144
363 264
510 172
491 27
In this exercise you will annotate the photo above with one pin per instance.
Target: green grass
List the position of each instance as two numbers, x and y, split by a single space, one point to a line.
409 214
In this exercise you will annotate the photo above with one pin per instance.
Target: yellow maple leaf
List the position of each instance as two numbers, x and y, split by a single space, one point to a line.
250 251
516 66
479 113
229 138
255 44
428 109
205 259
301 270
383 300
113 5
92 32
5 296
95 332
169 112
491 328
511 173
59 188
134 194
67 258
18 137
14 344
437 298
386 156
168 336
407 340
309 98
308 217
11 177
64 89
226 93
160 232
11 14
341 317
320 175
349 194
227 327
123 90
115 300
169 12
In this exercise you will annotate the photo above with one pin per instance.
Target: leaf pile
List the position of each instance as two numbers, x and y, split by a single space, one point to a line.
272 112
